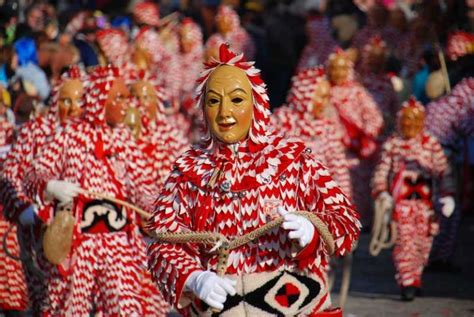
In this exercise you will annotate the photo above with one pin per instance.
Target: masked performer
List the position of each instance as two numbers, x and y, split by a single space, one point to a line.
97 155
320 42
361 122
304 117
229 31
237 180
13 294
411 162
159 139
451 119
377 81
67 103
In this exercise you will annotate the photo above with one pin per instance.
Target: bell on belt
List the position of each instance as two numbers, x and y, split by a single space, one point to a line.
133 121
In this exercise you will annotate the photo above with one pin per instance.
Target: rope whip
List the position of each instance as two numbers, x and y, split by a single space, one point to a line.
221 244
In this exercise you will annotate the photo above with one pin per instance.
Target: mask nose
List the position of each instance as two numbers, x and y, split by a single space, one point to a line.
225 109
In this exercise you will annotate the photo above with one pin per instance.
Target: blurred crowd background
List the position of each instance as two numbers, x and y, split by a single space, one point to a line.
63 33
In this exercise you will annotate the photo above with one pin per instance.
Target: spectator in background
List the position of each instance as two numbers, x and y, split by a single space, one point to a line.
25 64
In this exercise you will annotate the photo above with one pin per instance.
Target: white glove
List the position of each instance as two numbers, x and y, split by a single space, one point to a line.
210 288
62 190
300 228
29 215
448 206
386 199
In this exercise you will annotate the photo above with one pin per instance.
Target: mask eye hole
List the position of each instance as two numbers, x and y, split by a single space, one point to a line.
237 100
213 101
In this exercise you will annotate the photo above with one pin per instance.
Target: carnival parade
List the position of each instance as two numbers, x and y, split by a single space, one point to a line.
236 158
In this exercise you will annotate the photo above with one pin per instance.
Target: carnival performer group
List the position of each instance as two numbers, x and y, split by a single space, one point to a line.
157 179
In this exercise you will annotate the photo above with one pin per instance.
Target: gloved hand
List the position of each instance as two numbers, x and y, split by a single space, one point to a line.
386 200
62 190
448 206
29 215
210 288
300 228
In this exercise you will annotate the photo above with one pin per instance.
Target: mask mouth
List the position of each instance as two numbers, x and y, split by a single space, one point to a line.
226 125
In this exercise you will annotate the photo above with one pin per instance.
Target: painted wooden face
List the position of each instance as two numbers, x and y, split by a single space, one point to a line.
224 24
116 104
339 69
321 98
70 99
187 41
229 104
145 94
412 121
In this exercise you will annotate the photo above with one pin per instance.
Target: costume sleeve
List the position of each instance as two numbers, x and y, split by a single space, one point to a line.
337 161
442 169
322 195
17 162
372 117
141 186
441 119
171 264
382 170
46 166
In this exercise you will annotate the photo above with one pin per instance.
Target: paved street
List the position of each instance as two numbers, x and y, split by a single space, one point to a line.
374 291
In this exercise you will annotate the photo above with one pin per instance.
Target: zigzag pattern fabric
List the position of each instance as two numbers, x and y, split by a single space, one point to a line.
407 170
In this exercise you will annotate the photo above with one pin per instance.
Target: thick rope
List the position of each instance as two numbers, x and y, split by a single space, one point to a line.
384 231
220 242
209 237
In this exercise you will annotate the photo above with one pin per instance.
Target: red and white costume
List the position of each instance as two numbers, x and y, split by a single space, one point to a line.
321 135
380 87
191 63
460 43
166 66
30 139
451 120
238 38
13 292
362 122
407 170
104 266
452 116
160 140
320 43
256 176
114 45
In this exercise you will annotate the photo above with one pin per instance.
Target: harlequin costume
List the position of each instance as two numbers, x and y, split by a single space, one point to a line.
29 140
321 135
234 189
160 141
320 42
409 167
13 293
236 36
114 45
103 266
362 123
449 119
